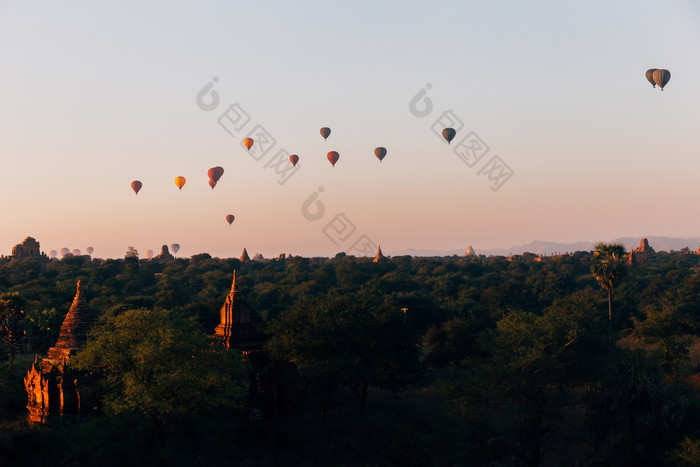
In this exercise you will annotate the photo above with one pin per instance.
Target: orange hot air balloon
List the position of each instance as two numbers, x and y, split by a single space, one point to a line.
333 157
380 153
149 254
180 182
136 186
212 184
294 159
661 77
215 173
248 143
325 132
230 218
64 251
650 76
449 134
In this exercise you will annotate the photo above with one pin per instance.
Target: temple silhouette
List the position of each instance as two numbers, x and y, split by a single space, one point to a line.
52 386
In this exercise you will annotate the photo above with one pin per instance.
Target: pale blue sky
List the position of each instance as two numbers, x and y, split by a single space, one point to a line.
97 94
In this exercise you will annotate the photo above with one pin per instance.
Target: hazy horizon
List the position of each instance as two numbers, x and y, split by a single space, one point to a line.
538 247
98 96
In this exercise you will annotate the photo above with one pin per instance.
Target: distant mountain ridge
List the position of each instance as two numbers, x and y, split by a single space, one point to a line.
549 248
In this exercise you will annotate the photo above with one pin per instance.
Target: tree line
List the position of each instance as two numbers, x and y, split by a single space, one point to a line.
413 361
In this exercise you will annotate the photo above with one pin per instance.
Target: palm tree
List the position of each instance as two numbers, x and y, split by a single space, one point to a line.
609 268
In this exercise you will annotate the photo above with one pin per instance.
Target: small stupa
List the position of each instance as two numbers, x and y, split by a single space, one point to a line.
642 253
470 251
380 257
164 255
244 257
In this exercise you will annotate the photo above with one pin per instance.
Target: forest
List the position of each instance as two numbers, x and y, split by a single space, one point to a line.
575 359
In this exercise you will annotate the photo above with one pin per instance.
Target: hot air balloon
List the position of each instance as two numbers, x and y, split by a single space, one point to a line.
65 251
380 153
149 254
53 253
212 184
650 76
76 252
449 134
333 157
89 250
136 186
248 143
325 132
215 173
230 218
294 159
661 77
180 182
175 247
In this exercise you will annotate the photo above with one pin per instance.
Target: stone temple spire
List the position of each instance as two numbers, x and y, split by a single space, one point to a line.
380 257
237 327
244 257
52 386
74 329
234 286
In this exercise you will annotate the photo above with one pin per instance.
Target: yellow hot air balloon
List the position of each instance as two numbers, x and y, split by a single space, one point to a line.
180 182
248 143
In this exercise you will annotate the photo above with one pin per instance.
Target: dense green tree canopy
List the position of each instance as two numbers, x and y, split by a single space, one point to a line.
159 363
516 346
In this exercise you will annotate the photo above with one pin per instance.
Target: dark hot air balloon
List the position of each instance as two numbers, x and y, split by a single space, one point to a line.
449 134
294 159
248 143
64 251
650 76
380 153
180 182
325 132
175 247
333 157
89 250
661 78
215 173
230 218
136 186
76 252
